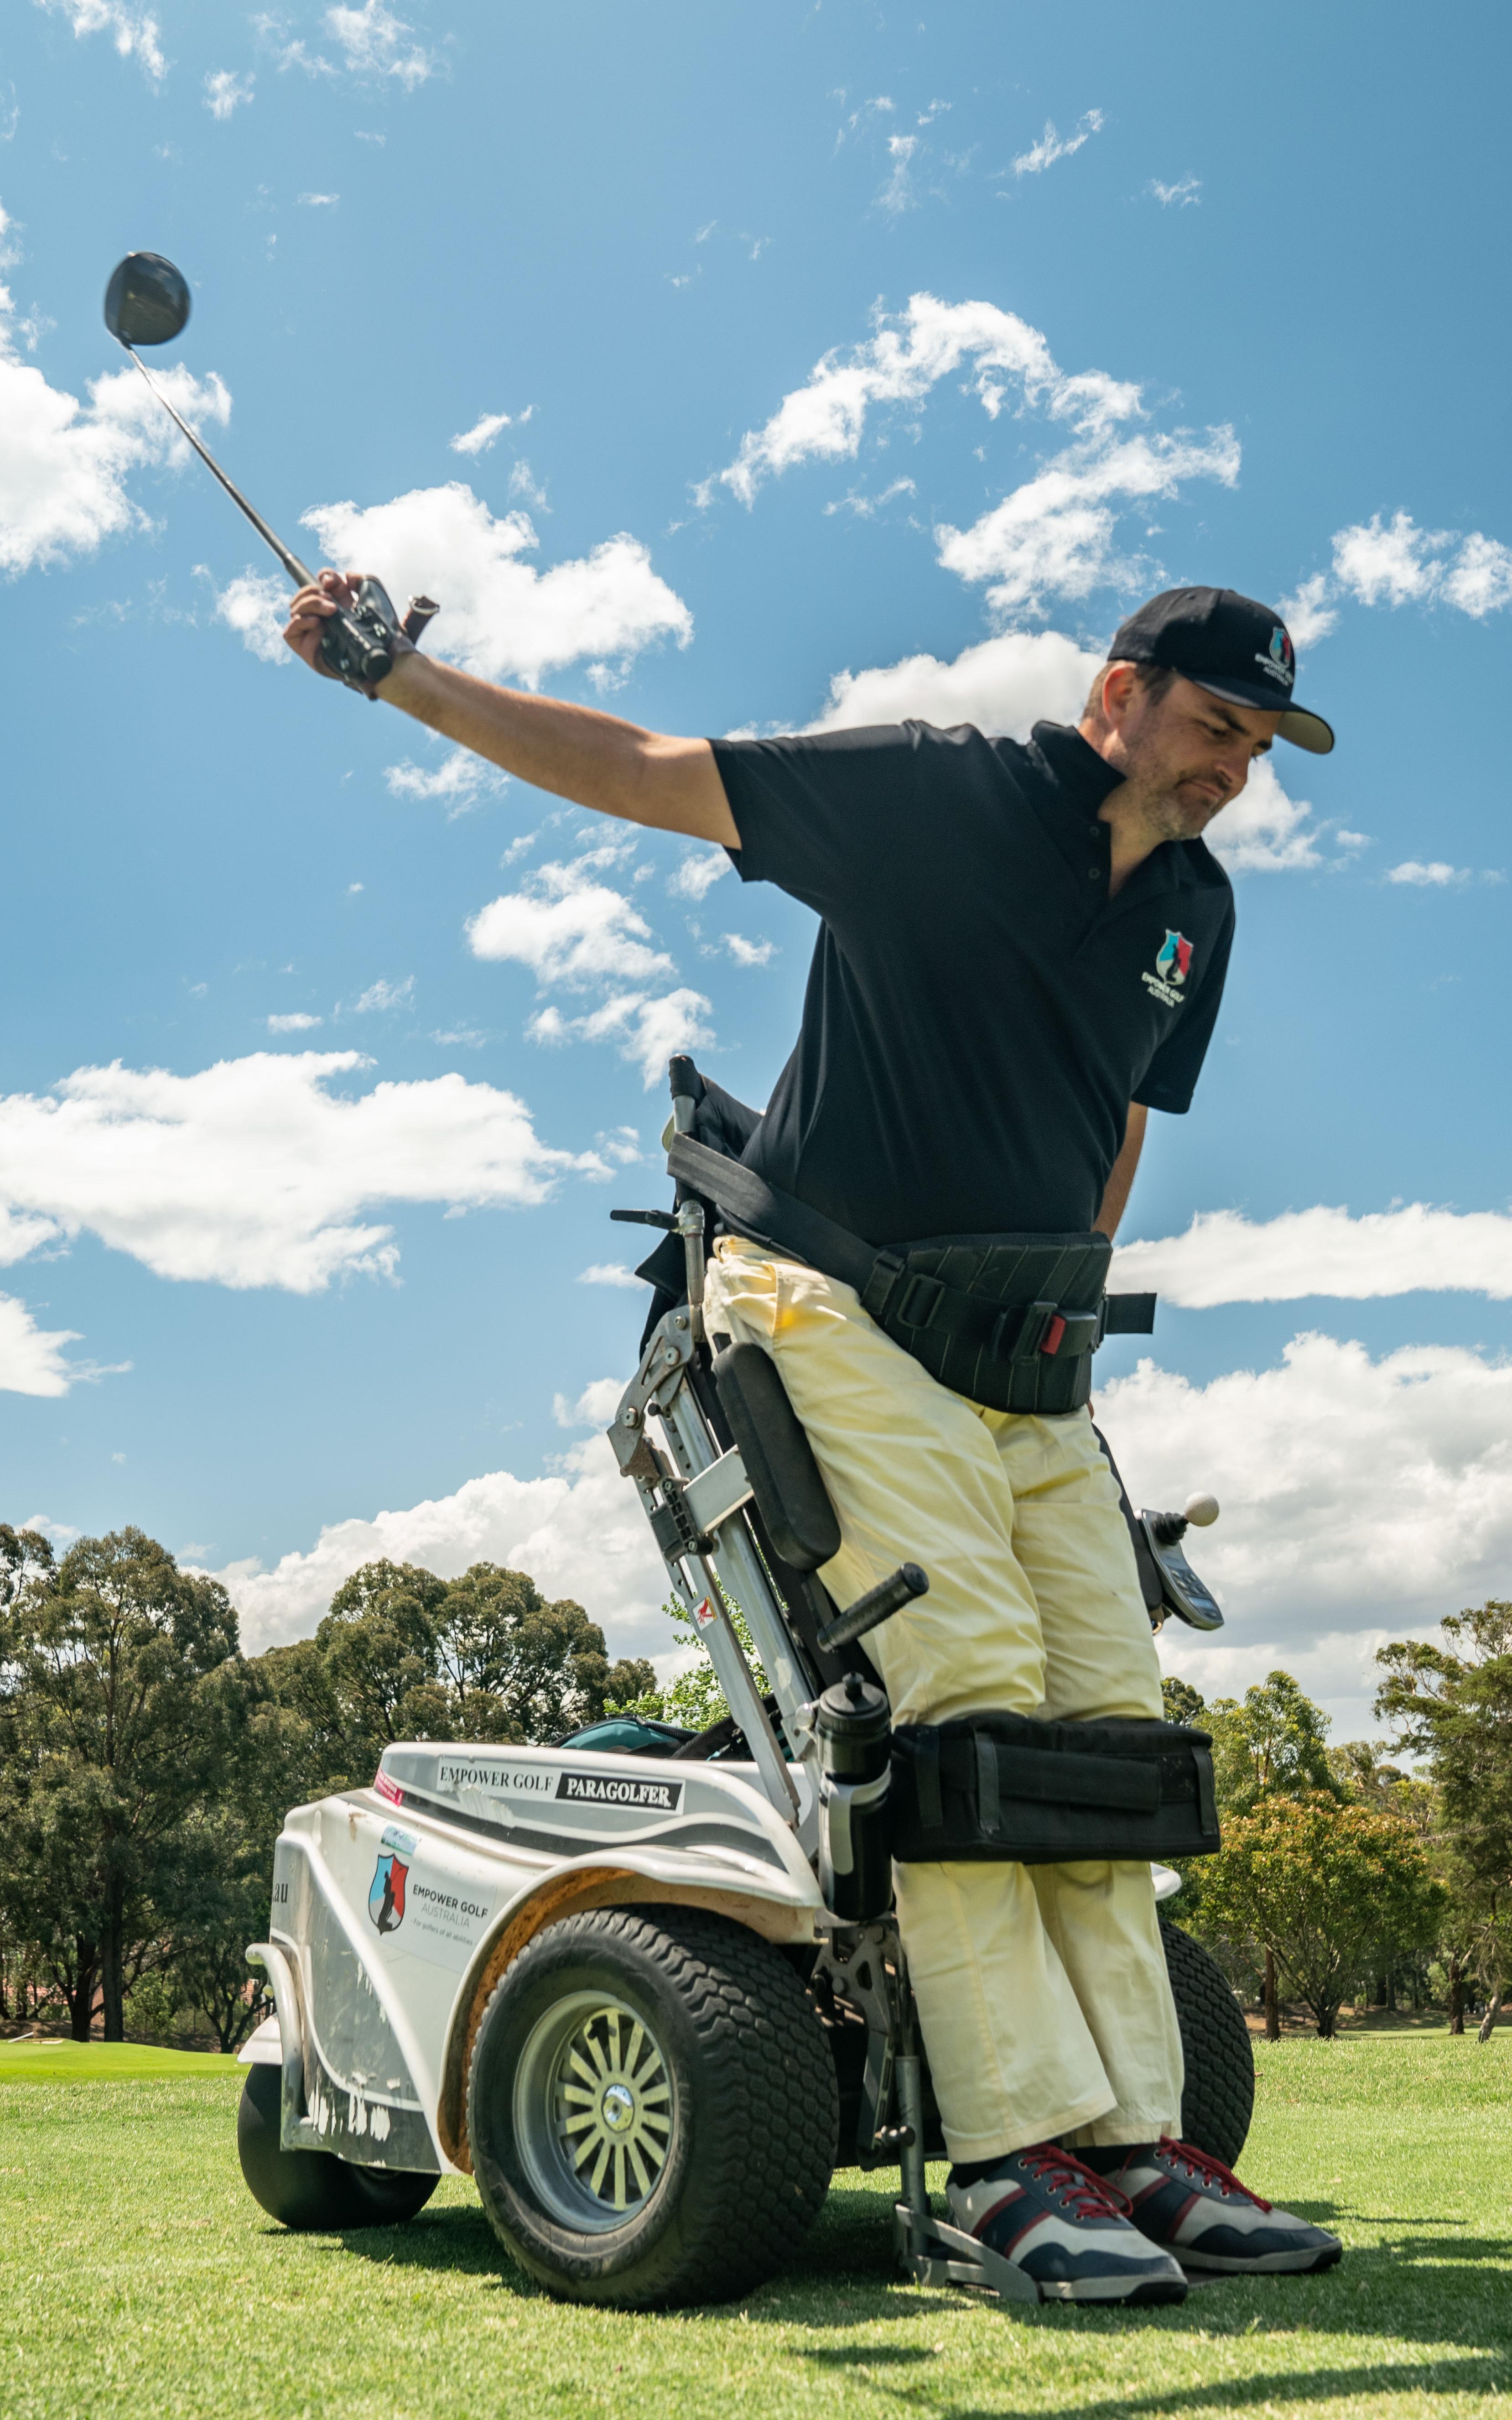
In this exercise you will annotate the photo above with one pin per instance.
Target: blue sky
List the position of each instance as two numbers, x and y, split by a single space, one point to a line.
808 362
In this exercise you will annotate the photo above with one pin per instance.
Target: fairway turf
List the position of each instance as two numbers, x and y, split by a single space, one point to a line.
140 2277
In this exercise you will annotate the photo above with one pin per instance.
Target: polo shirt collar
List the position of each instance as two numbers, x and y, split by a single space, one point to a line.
1084 777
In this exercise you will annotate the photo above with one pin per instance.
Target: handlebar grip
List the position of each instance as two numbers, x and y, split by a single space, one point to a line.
879 1604
683 1078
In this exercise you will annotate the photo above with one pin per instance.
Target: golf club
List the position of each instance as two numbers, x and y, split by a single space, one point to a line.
146 302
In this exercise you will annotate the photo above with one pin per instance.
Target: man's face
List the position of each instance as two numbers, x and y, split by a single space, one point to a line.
1183 754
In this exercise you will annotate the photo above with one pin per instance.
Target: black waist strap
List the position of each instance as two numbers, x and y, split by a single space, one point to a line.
901 1296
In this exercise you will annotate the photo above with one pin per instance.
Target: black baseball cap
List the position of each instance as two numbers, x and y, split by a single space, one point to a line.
1229 645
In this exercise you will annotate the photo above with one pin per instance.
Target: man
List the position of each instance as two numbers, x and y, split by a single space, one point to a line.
1022 952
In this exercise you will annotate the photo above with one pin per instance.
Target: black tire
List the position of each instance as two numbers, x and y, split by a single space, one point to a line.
313 2190
710 2108
1219 2098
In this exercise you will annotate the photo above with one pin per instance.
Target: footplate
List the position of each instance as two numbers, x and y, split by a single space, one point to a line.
934 2253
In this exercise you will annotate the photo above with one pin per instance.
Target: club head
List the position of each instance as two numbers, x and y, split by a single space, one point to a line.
147 301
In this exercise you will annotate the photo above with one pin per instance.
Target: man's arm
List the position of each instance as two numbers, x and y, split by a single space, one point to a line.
643 776
1122 1176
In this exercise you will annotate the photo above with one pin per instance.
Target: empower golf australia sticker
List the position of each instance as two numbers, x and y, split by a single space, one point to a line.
438 1916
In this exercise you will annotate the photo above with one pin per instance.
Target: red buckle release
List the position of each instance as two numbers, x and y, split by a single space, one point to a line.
1054 1333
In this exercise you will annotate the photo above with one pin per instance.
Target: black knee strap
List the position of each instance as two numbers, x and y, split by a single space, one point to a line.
1035 1794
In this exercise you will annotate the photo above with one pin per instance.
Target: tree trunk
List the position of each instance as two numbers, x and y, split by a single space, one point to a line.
1272 2011
1327 2021
1487 2022
1456 1996
112 1981
80 1992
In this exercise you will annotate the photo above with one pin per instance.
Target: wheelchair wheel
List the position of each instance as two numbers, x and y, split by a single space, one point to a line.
650 2108
314 2192
1219 2096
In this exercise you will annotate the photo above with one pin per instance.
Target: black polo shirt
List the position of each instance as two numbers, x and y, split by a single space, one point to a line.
979 1012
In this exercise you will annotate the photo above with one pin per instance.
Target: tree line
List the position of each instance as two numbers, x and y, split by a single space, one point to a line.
146 1765
1345 1877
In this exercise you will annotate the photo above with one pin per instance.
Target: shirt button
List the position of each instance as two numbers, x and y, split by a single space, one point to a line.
1095 873
1094 831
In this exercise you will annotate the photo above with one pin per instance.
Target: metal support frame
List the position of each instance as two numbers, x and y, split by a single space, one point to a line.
694 1495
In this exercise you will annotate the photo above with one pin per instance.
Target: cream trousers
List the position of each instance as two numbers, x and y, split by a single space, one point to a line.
1042 1988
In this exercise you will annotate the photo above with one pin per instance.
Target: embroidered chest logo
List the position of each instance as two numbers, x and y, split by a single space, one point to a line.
1173 964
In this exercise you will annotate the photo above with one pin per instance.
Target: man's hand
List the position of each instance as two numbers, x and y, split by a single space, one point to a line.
646 777
314 606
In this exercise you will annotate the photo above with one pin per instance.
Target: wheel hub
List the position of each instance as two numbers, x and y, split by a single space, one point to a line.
594 2112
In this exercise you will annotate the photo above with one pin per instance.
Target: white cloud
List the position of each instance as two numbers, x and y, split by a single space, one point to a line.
1184 192
826 419
502 619
645 1030
32 1359
225 91
1396 562
1225 1257
897 193
255 605
372 42
596 1406
608 1273
568 929
256 1172
135 32
478 439
1053 146
1307 614
1435 875
1479 579
698 873
456 782
1054 535
580 934
63 466
1387 564
866 508
1262 831
1355 1493
299 1021
1003 685
318 201
580 1533
749 953
385 995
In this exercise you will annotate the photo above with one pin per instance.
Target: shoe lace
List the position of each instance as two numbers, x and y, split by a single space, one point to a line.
1085 2193
1207 2170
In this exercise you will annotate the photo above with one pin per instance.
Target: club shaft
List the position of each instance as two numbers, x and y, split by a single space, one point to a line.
300 575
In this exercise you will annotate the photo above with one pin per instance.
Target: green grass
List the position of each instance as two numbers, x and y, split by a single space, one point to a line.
46 2062
139 2277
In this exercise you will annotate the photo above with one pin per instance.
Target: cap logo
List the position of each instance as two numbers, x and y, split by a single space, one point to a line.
1279 662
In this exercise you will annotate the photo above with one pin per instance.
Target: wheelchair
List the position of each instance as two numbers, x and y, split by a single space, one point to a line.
646 1986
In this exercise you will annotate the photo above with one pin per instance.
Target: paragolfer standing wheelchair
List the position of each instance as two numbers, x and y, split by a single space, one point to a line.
646 1987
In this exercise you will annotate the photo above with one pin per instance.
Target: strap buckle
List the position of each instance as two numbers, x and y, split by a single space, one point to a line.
920 1299
877 1293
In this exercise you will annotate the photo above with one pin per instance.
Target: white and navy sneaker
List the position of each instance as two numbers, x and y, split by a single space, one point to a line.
1066 2229
1191 2205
